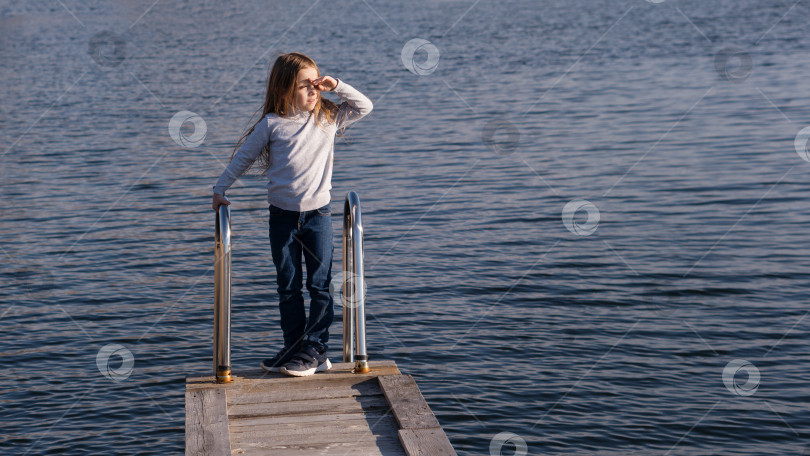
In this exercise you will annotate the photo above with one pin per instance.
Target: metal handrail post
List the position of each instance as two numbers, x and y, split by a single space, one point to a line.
348 307
354 313
359 297
222 295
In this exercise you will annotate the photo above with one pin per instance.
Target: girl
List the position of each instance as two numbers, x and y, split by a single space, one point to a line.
294 141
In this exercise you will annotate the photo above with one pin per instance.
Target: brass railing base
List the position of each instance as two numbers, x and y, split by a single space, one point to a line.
361 367
224 376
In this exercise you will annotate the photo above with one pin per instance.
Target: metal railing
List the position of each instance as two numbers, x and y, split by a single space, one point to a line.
222 295
354 311
354 306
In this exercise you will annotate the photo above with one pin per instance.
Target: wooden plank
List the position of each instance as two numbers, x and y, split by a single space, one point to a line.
257 375
302 420
420 433
362 427
298 391
350 431
426 442
410 408
358 404
382 447
207 423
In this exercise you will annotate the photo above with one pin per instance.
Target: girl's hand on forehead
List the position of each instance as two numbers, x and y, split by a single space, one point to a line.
324 83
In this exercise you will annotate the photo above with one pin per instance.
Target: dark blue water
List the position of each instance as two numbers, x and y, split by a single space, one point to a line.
674 321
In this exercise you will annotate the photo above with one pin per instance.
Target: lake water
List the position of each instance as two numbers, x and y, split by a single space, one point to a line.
663 312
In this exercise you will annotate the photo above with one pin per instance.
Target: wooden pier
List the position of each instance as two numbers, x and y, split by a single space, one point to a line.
334 412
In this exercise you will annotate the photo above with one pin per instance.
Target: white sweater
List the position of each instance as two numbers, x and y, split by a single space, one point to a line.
301 151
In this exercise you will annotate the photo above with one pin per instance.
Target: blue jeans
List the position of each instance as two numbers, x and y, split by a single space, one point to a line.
307 233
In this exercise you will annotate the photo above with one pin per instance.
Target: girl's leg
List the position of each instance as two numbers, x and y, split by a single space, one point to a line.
318 251
286 250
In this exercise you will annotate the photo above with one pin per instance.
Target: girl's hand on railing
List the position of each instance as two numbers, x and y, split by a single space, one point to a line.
219 199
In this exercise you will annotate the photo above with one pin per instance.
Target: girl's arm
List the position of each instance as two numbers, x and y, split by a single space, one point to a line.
355 106
244 157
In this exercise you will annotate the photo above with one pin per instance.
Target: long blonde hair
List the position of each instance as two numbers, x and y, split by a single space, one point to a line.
279 98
